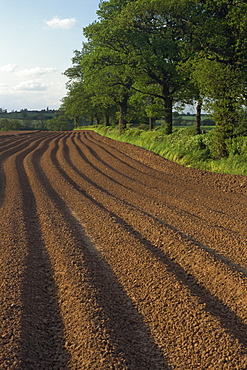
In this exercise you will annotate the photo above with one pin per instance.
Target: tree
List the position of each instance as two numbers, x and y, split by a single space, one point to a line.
147 108
60 122
86 95
170 51
77 103
150 41
107 74
10 125
218 40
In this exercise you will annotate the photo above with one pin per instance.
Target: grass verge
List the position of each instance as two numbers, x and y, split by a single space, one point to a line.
183 146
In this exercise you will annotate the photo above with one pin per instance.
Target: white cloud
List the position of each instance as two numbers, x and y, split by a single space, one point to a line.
36 71
8 68
65 23
4 87
31 86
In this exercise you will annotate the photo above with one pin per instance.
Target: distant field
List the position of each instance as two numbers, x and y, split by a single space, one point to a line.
189 120
28 115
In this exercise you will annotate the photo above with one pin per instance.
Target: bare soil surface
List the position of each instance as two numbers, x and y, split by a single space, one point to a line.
114 258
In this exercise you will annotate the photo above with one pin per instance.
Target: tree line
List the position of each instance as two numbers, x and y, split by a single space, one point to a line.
142 58
25 119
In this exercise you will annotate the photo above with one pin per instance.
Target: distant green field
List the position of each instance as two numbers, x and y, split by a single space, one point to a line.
186 120
25 120
29 115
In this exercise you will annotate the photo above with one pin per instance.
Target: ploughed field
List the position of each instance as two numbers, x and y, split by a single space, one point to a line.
114 258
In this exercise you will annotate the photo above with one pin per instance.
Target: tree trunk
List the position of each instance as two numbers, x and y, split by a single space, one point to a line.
122 114
226 118
167 109
107 119
198 116
168 115
97 120
151 123
76 122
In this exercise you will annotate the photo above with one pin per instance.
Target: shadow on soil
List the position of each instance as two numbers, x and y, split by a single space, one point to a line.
2 183
232 323
195 287
42 336
221 258
130 337
229 320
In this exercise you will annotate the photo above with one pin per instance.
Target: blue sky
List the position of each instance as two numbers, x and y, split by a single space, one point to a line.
37 40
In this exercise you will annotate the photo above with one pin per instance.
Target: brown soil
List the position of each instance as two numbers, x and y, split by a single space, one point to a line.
114 258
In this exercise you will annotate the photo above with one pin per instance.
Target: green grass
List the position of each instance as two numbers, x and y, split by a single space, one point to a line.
183 146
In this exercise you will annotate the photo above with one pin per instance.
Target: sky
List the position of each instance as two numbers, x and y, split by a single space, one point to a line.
37 41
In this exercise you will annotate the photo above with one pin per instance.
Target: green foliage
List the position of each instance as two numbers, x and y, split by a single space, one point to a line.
186 148
77 104
25 119
208 122
219 66
11 125
142 57
61 122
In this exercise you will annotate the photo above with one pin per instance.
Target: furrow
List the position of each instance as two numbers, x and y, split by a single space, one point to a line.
100 321
220 276
219 189
13 148
120 245
112 258
14 252
211 226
